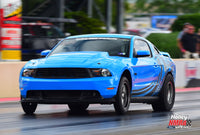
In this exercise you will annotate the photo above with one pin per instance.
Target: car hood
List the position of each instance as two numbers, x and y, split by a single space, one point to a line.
75 59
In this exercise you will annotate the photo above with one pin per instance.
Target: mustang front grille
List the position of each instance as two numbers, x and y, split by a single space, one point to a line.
62 73
63 94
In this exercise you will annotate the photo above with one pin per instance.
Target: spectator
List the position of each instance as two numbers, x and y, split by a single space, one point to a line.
198 34
181 34
189 43
184 30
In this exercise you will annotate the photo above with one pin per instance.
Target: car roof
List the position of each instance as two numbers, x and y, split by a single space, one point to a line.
103 35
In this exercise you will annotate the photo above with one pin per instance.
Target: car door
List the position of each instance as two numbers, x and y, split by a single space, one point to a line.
145 69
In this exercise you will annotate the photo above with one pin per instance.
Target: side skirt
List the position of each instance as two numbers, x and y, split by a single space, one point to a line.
146 99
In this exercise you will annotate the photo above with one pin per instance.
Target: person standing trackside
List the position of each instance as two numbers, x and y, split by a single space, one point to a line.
181 34
183 31
198 34
189 43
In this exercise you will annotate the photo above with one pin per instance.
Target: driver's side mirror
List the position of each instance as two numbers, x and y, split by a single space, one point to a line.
45 53
165 54
142 54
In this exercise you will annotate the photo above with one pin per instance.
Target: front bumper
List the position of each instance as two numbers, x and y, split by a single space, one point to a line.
100 85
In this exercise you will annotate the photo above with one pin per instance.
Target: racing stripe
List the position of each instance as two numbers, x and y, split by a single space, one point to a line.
143 88
151 88
152 92
142 92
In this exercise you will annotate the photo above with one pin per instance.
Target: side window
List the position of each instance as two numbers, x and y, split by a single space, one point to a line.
140 45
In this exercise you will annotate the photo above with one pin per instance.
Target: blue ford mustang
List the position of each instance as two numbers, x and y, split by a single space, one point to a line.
99 68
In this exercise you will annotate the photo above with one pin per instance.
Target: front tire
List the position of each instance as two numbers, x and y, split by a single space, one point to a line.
28 107
167 95
123 97
75 107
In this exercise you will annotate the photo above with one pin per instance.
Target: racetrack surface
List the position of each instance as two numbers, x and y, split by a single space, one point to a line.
99 119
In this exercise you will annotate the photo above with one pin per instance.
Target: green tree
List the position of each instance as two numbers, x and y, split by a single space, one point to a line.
162 42
102 7
29 5
166 6
191 18
85 24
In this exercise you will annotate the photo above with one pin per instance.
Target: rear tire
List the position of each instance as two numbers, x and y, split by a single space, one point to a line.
123 97
78 106
167 95
29 108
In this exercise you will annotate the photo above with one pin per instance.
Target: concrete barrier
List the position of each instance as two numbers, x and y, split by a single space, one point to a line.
9 79
188 74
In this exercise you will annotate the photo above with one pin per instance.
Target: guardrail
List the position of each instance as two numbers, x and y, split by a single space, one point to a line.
188 75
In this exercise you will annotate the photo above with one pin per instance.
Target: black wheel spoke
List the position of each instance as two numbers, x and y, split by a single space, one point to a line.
167 95
123 97
28 107
78 106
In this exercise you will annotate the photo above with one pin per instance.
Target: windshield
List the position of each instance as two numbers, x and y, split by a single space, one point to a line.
114 46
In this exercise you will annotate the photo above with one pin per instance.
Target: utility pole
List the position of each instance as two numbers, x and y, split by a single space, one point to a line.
120 16
108 15
89 8
61 13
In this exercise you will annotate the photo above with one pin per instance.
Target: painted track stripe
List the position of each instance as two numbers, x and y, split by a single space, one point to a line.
15 99
188 89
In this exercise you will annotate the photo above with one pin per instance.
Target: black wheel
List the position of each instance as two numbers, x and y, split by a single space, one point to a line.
29 108
78 106
167 95
123 96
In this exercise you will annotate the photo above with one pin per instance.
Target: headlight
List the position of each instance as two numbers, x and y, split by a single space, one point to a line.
99 72
105 72
28 72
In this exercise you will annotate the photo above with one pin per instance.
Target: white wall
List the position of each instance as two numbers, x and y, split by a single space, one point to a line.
9 75
186 71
